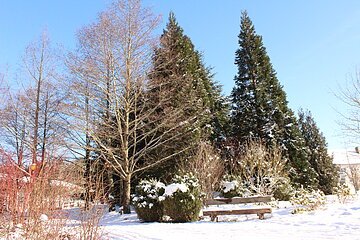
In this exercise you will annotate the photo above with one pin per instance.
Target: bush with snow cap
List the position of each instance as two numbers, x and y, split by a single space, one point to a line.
183 199
232 186
146 200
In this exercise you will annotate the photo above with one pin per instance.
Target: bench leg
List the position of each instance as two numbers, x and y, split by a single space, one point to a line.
261 216
213 218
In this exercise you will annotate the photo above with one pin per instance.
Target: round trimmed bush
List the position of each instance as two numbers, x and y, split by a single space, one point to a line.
146 200
183 199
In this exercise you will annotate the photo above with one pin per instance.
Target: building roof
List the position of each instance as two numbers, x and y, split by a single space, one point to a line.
344 156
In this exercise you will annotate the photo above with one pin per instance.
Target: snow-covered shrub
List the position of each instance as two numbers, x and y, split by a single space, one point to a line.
183 199
307 200
343 192
146 200
232 186
283 190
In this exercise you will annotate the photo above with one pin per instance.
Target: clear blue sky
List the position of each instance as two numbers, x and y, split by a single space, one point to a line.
314 45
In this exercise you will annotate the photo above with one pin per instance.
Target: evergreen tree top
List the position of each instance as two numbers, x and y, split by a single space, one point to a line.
256 77
172 20
310 130
173 30
247 27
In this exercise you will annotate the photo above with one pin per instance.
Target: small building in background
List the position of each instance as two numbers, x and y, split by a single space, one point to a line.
348 162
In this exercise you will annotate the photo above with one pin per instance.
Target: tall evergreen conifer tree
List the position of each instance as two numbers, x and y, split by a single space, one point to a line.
259 105
327 173
179 69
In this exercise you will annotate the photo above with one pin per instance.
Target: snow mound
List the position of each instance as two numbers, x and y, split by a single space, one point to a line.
172 188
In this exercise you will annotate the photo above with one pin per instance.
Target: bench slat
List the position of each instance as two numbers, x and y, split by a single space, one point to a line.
238 200
214 213
237 211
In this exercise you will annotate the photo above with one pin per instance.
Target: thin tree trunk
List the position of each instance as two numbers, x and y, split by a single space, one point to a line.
116 191
37 108
126 194
87 178
36 125
43 148
87 173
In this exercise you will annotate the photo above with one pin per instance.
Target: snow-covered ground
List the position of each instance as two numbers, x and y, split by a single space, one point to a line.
335 221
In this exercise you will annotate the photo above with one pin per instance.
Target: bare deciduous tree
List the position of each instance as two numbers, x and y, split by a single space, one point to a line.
3 96
112 67
3 88
31 121
14 125
353 173
349 94
37 64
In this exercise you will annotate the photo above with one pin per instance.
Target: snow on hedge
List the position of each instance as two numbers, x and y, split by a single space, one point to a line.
227 186
147 193
172 188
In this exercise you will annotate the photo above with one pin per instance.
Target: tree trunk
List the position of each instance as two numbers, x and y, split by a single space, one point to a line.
125 200
45 130
37 108
116 191
36 125
87 175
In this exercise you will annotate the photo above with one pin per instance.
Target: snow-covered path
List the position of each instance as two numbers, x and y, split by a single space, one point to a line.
337 221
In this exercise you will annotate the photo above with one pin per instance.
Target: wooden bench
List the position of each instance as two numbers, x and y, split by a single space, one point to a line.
260 211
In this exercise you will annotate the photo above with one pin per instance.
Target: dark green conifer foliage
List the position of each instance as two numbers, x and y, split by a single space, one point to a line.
320 160
179 66
297 154
259 105
187 85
